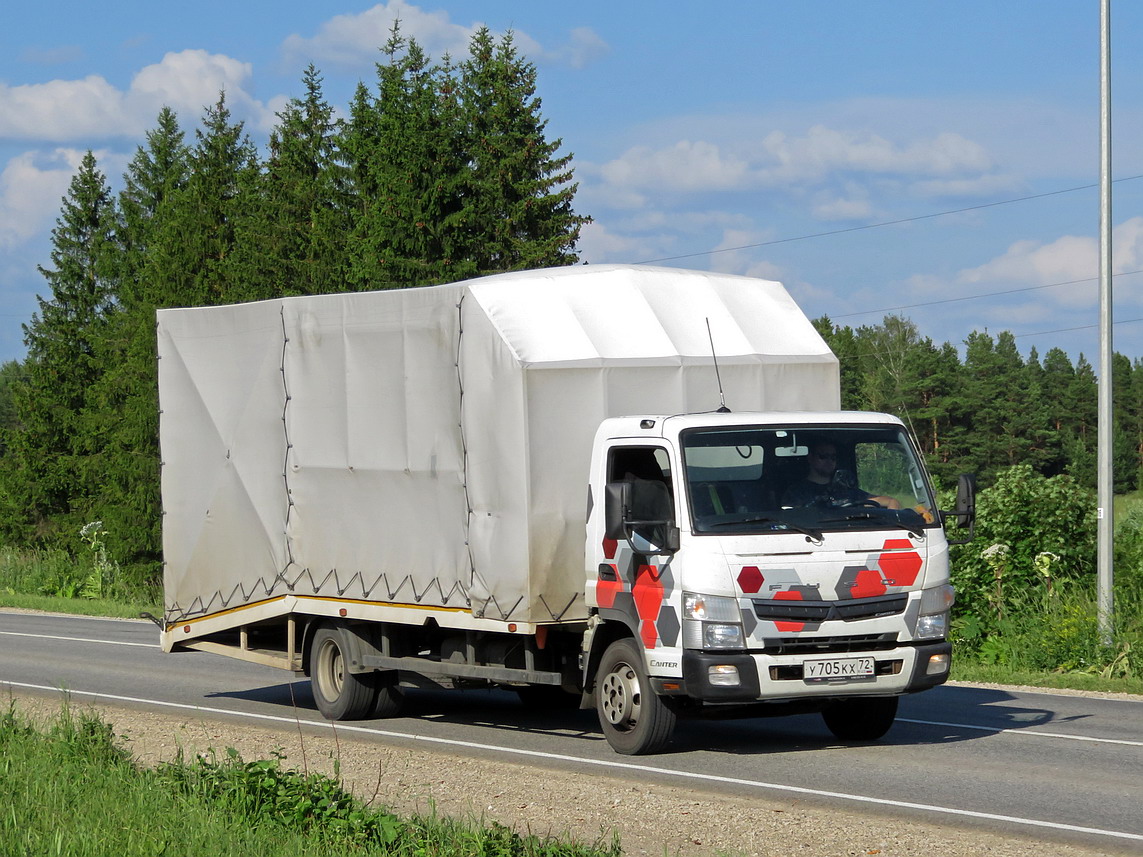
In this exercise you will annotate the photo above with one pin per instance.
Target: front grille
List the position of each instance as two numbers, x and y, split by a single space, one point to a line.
830 645
822 611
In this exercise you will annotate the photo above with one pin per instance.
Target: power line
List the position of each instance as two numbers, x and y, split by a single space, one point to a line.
981 295
1072 329
882 223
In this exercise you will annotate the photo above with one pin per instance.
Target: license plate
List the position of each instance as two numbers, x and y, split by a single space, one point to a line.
839 668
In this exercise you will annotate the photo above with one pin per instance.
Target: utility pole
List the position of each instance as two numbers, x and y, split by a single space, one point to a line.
1105 435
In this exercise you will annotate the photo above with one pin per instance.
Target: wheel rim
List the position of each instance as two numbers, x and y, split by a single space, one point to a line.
620 697
331 670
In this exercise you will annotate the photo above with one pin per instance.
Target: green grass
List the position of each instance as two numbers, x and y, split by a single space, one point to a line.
69 788
970 671
79 606
53 581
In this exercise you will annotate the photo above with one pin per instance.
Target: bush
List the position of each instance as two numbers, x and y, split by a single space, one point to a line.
1035 538
1026 588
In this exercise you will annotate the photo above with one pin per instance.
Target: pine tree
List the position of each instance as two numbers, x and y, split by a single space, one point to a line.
50 471
843 342
1125 463
992 370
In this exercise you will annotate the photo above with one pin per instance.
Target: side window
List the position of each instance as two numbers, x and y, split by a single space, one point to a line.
639 462
649 468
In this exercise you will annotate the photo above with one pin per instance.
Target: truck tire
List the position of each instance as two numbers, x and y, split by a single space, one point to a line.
390 698
339 694
861 719
635 719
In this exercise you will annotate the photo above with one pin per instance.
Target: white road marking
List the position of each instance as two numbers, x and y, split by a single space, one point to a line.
608 764
999 730
78 639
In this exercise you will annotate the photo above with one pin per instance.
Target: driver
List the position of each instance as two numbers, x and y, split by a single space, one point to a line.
823 483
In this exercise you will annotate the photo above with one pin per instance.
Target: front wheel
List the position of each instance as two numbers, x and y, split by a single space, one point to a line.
861 719
339 694
635 719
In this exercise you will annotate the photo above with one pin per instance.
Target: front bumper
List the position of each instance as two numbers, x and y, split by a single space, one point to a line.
768 677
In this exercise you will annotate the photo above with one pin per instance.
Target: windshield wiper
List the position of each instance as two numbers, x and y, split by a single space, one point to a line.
915 532
764 519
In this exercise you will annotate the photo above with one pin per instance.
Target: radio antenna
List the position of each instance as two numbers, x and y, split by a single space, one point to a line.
722 408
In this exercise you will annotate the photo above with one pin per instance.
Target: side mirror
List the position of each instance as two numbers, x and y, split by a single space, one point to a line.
616 502
965 514
639 511
966 500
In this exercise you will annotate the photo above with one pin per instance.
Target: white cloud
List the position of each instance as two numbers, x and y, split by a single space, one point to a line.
685 166
945 163
91 108
1071 261
599 245
31 187
855 207
733 254
583 47
188 80
355 41
1071 257
823 150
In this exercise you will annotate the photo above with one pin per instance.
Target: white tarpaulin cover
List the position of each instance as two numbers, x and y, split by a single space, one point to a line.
431 446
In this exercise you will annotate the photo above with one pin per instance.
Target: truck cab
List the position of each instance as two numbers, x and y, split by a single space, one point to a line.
771 561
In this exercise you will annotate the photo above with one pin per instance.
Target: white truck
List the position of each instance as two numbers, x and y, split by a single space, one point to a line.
533 481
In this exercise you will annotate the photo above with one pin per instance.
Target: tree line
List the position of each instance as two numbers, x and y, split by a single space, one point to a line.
436 172
993 408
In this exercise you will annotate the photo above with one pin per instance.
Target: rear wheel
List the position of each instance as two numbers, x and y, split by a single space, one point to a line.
861 719
339 694
390 698
635 719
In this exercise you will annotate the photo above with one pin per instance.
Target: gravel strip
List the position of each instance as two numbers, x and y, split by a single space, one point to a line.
649 819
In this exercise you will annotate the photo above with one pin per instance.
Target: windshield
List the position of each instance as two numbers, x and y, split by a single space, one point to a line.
804 479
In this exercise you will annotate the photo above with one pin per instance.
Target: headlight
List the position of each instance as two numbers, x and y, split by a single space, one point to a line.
933 623
711 622
937 600
935 626
713 608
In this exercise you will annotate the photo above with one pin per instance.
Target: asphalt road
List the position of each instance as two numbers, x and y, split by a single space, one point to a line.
1058 767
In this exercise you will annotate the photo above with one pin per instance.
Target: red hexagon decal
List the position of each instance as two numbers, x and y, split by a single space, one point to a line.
648 592
899 568
789 595
750 579
649 634
868 584
609 548
606 590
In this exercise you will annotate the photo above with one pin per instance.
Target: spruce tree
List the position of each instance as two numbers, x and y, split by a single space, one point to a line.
191 261
128 500
406 154
51 468
294 237
518 200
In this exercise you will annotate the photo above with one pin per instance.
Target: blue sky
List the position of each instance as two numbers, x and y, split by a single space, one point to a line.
768 138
